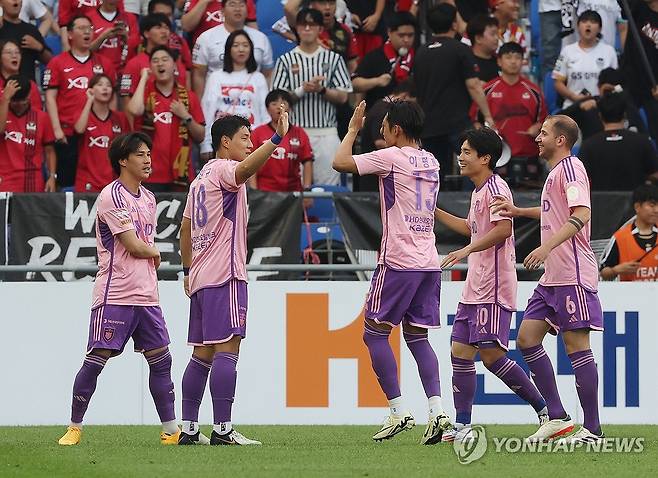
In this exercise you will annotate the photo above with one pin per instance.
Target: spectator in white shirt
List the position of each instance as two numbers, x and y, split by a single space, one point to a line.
238 89
613 22
577 69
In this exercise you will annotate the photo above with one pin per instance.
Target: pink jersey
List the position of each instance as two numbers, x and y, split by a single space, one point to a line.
124 279
491 277
217 207
572 262
409 186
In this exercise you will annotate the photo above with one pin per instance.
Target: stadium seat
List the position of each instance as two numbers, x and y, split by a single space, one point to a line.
54 43
323 209
550 94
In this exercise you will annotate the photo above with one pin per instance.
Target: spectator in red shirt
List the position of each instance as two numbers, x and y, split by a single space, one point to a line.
68 9
10 61
171 114
177 44
26 135
518 108
116 33
202 15
66 81
97 126
290 167
156 31
368 29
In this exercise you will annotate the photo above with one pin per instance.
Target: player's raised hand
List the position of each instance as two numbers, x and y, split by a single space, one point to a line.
536 258
283 124
358 118
455 257
504 207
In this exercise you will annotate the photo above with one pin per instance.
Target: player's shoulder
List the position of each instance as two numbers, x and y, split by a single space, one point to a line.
148 196
572 168
111 196
496 186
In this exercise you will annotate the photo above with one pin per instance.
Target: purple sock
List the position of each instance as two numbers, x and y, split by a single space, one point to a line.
383 360
544 377
161 386
428 365
194 384
515 378
463 388
223 377
84 385
587 383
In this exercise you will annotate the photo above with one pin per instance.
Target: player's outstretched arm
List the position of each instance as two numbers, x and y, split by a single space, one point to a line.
506 208
501 231
186 250
258 158
136 247
457 224
343 161
579 217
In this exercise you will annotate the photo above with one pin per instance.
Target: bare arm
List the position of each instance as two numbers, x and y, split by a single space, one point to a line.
258 158
46 23
186 242
64 37
51 164
51 108
135 105
501 231
564 91
307 174
477 95
191 19
457 224
623 33
290 10
343 160
80 125
136 247
199 79
361 84
506 208
336 97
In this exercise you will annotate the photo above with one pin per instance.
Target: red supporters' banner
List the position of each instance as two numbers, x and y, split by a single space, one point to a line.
55 229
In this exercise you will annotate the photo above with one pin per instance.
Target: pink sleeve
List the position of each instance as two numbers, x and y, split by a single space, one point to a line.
224 175
503 192
375 162
575 184
114 214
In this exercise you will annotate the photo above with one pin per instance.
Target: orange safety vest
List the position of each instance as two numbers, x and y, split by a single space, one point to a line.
630 251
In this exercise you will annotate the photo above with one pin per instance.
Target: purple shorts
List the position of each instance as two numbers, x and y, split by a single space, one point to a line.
218 313
112 325
481 325
565 307
412 296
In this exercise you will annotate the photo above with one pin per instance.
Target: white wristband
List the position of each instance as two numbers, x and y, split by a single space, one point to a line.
299 92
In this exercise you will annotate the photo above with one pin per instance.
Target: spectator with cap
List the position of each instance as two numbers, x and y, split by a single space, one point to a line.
617 159
585 111
577 69
482 31
632 254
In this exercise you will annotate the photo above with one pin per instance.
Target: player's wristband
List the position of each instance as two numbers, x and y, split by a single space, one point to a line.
276 139
186 271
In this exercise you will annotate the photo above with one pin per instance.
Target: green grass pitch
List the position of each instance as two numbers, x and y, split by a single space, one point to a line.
303 451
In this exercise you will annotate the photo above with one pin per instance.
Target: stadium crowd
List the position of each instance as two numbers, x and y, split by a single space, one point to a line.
75 74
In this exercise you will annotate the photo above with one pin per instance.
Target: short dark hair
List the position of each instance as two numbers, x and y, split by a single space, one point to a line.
5 41
565 126
153 3
441 17
24 87
224 1
71 23
484 141
612 107
408 115
124 145
510 47
591 15
227 126
611 76
406 86
304 13
644 193
478 24
228 60
153 20
278 94
162 48
401 19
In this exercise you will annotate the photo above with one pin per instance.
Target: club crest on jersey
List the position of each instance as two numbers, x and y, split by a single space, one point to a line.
97 69
525 96
496 94
477 206
116 128
108 333
600 62
325 67
31 126
294 142
294 68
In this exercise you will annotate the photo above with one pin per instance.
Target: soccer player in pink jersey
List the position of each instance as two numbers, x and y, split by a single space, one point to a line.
406 285
125 300
565 301
213 244
488 300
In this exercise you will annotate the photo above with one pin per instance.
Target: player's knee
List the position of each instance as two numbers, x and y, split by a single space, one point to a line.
490 356
524 341
412 338
372 332
159 361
